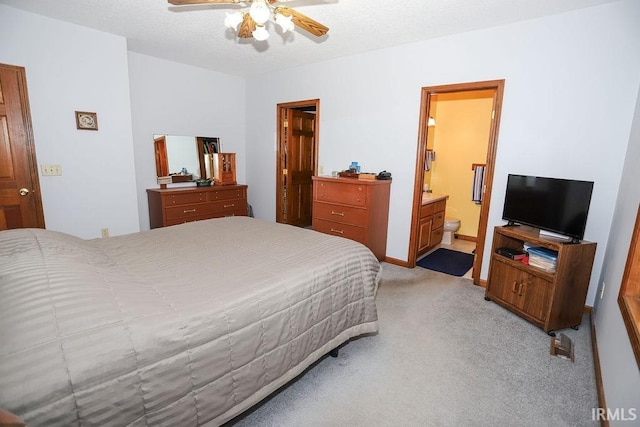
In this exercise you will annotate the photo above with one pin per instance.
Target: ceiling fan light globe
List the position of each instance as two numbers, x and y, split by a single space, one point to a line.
260 33
233 20
259 11
285 22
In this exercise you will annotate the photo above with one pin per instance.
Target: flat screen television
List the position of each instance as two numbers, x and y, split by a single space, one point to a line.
557 205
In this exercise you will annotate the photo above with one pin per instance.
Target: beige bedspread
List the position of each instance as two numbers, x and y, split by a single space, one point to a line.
178 326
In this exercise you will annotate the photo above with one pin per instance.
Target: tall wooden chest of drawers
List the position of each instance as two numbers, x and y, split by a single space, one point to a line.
171 206
353 208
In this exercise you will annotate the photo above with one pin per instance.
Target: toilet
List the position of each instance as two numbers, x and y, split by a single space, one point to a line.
451 225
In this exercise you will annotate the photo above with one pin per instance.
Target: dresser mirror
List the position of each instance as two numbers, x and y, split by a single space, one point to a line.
182 158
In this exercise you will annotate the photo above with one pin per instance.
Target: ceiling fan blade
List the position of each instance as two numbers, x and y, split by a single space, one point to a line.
247 27
183 2
304 22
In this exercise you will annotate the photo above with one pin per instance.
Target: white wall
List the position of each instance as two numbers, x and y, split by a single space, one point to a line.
620 373
571 84
71 68
175 99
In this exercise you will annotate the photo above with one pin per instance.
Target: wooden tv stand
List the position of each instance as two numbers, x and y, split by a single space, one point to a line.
551 301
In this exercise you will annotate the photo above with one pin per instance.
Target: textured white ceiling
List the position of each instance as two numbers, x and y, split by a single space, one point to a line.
196 35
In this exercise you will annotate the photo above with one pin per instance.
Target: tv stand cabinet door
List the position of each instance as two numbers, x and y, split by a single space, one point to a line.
503 283
535 297
525 294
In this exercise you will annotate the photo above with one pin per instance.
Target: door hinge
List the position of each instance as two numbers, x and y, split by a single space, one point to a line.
493 115
286 123
284 171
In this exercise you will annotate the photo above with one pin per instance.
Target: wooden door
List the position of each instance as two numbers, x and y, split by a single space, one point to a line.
296 160
300 161
162 162
20 201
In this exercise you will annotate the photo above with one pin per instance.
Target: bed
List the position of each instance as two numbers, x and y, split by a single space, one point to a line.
184 325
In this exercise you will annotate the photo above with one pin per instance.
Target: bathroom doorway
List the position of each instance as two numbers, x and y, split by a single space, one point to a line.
481 121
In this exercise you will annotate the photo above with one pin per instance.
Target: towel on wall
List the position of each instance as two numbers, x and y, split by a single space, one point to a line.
478 183
429 157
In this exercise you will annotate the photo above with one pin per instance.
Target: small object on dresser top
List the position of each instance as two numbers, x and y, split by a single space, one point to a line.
203 182
348 174
384 175
367 175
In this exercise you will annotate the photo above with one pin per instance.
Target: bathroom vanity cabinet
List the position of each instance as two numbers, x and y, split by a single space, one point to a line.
431 227
550 300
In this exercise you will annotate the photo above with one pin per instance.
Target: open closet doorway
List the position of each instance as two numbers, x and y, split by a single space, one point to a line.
296 160
428 115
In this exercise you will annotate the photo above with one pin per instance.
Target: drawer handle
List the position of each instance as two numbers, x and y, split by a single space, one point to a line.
520 289
229 206
515 285
333 230
337 213
189 211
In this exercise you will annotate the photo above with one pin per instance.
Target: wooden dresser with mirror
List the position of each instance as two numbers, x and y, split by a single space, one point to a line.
171 206
186 159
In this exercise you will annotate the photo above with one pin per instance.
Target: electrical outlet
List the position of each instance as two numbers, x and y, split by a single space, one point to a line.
602 290
105 232
320 170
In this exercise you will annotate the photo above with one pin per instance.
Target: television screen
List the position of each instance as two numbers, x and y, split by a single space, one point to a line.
557 205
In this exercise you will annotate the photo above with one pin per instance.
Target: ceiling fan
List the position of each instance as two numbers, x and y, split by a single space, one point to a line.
252 23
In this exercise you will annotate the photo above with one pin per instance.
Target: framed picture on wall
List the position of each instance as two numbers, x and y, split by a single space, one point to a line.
86 120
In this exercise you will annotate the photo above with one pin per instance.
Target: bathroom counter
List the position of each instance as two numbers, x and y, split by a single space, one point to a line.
433 197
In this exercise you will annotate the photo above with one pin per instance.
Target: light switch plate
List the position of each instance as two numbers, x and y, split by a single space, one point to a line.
51 170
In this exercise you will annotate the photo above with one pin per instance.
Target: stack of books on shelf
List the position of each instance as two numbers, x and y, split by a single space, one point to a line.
542 258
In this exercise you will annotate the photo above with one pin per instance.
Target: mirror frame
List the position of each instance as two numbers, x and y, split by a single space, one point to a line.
162 161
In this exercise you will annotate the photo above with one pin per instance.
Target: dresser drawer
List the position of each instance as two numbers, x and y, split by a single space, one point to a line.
438 219
184 199
231 205
440 205
227 194
337 192
336 229
232 212
189 211
342 214
436 235
426 210
177 221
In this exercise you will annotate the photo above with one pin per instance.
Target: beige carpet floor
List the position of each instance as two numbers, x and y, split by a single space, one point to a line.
443 357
